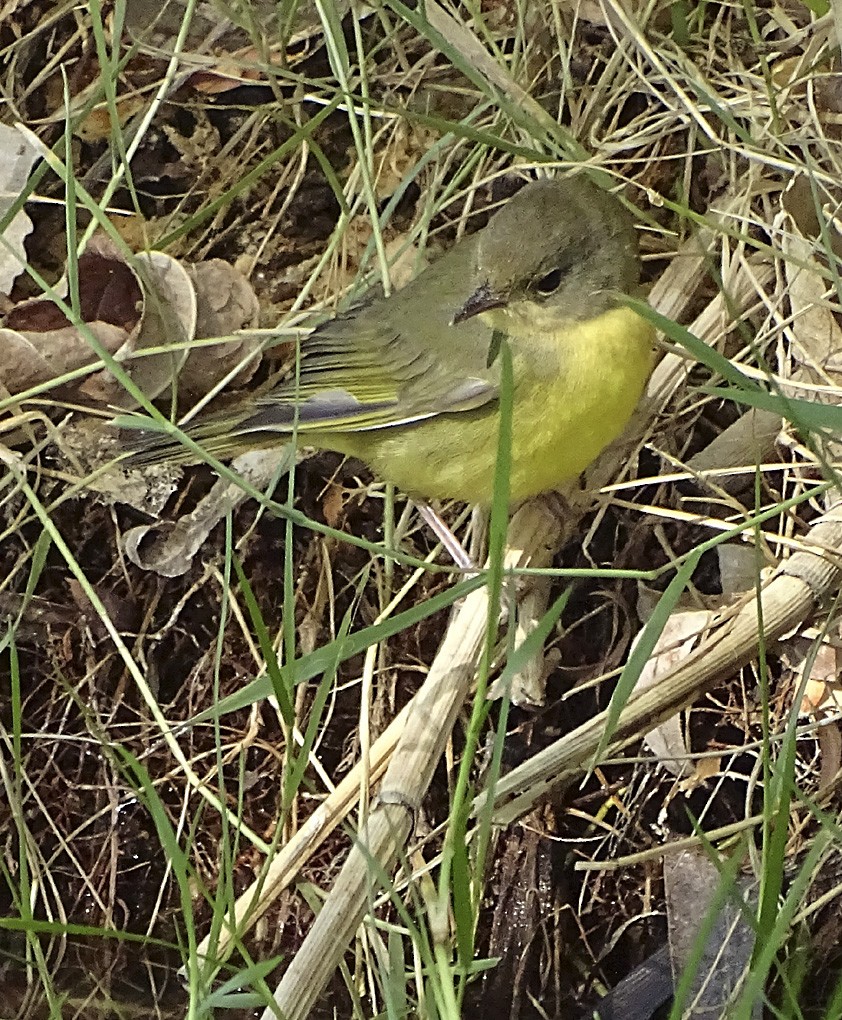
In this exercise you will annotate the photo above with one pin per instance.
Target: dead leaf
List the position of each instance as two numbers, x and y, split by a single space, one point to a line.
333 505
17 157
707 768
31 359
692 883
226 304
144 311
822 689
682 632
168 320
171 547
126 307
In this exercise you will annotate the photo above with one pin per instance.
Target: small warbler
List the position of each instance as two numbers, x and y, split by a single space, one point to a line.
410 384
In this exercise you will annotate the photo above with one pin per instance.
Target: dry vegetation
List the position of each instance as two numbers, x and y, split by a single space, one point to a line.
149 778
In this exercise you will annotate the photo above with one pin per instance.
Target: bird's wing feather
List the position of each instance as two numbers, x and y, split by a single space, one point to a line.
381 364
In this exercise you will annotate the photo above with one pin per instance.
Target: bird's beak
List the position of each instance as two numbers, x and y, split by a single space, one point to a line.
483 299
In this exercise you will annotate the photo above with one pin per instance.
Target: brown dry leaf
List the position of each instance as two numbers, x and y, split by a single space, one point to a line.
706 768
786 70
828 94
144 313
404 263
333 505
32 358
168 318
137 85
226 304
245 66
99 125
591 11
108 292
822 691
250 65
682 632
39 344
208 299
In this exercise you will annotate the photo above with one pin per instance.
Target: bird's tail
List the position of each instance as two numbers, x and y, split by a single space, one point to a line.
223 435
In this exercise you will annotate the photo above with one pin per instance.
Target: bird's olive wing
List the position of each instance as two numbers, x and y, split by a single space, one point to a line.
390 362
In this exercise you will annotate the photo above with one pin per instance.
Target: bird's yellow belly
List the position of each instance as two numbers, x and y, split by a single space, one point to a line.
563 417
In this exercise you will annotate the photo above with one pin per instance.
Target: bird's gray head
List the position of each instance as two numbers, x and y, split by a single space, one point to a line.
559 251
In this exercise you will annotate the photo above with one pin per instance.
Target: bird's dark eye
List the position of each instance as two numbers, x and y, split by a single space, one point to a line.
550 283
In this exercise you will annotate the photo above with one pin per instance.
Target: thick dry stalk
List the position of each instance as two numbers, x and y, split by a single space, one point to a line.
786 601
428 726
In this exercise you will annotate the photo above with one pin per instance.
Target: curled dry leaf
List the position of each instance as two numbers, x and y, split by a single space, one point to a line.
169 548
32 358
168 321
17 156
213 57
226 304
99 124
144 312
39 343
683 630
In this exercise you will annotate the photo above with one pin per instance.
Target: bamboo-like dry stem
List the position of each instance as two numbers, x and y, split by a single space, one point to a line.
420 746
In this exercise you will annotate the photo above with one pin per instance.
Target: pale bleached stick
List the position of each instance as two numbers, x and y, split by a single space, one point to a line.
420 746
786 601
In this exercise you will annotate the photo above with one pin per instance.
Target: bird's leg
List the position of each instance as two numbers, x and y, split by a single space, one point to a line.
525 602
480 519
448 540
528 685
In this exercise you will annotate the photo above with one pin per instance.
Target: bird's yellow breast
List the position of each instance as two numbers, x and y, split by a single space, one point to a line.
575 389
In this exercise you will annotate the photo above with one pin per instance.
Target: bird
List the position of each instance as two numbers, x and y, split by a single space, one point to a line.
411 384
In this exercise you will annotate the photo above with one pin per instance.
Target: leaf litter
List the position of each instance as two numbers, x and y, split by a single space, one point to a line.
658 122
